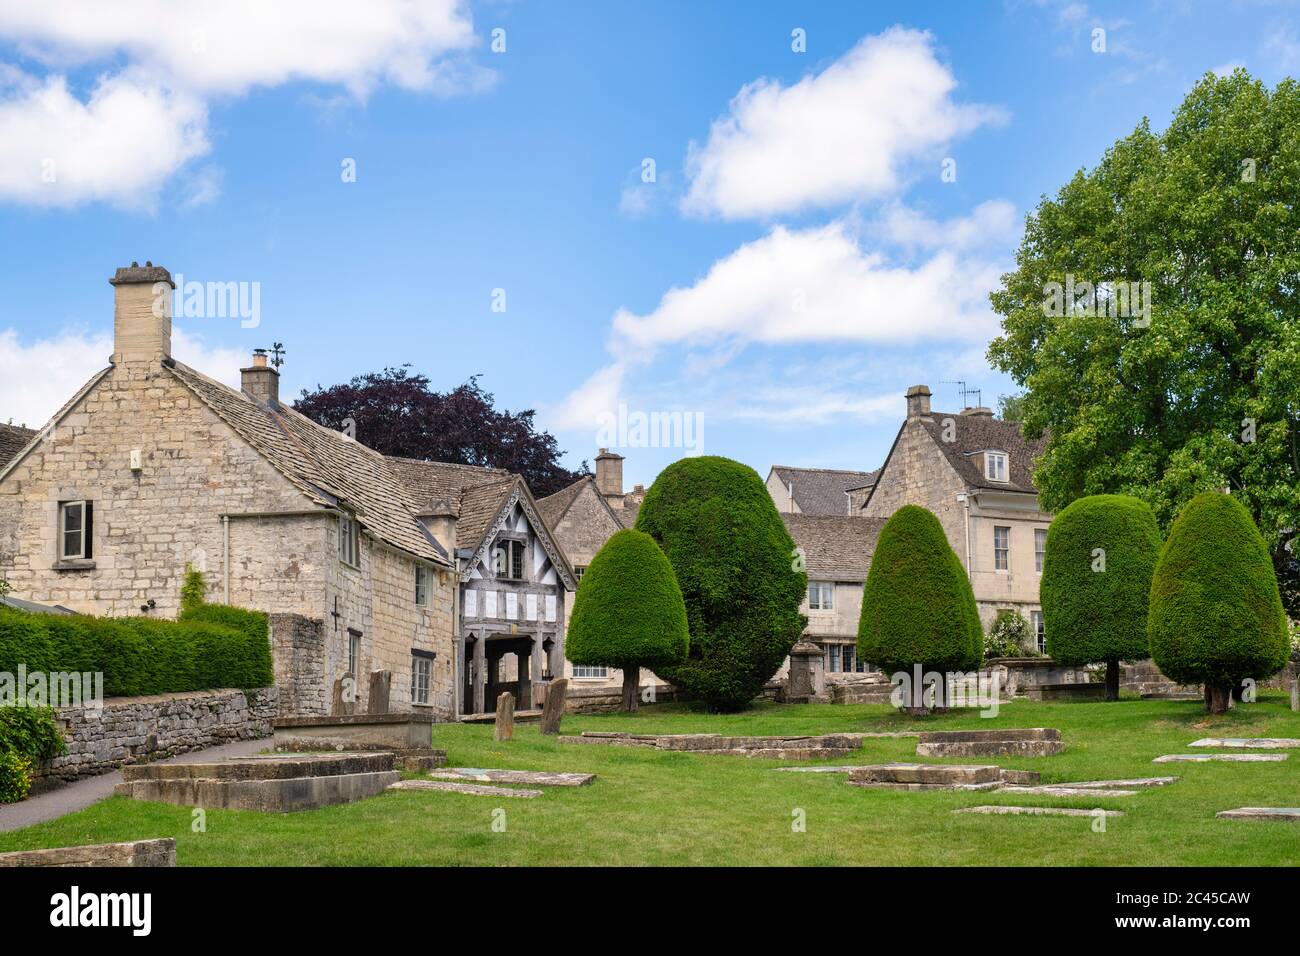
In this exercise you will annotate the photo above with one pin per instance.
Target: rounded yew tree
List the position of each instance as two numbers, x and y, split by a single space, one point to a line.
917 604
1101 553
1216 615
735 563
628 612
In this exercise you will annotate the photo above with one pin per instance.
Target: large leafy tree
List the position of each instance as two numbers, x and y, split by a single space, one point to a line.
736 565
395 412
1203 391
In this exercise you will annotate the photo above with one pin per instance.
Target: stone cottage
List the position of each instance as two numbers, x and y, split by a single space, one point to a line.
975 473
153 466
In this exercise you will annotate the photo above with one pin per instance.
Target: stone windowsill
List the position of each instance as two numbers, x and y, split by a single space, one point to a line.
74 564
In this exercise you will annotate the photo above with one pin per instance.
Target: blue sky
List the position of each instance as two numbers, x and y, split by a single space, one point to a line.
799 260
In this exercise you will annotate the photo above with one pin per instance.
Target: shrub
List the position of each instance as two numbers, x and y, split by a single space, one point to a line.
249 664
734 562
917 604
193 589
1009 635
628 612
1101 554
27 736
1215 611
15 776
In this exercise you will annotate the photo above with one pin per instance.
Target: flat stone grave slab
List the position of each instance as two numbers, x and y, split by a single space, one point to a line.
136 853
353 732
1250 743
920 776
1052 791
1138 782
1014 742
271 783
1220 758
473 789
1285 814
821 747
537 778
1006 777
1041 811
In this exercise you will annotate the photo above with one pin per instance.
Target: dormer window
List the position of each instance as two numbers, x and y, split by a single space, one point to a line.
995 465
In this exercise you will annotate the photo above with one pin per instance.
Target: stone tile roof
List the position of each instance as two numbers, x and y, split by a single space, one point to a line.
631 508
976 433
327 467
823 491
555 507
13 439
477 493
835 547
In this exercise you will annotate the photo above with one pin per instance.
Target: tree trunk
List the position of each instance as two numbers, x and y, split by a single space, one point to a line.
1219 697
1112 680
631 688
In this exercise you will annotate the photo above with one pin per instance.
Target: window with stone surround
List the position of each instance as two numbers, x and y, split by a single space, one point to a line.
821 596
1040 548
1040 631
75 527
579 570
421 676
1001 548
349 543
423 585
584 670
995 465
354 651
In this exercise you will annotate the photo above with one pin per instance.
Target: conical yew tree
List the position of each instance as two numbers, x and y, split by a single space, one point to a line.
628 612
1216 615
917 604
1101 554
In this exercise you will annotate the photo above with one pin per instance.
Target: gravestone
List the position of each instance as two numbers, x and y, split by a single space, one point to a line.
1041 811
341 705
473 789
505 723
1285 814
1011 742
380 684
1220 758
807 675
556 695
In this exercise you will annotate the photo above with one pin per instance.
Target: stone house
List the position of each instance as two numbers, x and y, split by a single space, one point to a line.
975 473
836 552
13 439
819 491
153 466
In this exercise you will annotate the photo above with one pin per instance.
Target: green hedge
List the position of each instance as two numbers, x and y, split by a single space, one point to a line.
1095 611
628 611
917 604
735 563
212 646
1216 614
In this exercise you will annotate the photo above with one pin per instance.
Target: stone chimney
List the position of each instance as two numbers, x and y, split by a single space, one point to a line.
142 314
440 517
260 380
609 474
918 402
979 411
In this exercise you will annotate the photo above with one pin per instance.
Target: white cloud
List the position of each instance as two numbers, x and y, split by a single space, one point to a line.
835 137
1282 47
38 377
137 127
818 285
990 222
203 188
595 397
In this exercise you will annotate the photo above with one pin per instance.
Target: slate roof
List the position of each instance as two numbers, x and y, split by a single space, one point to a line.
823 491
835 547
977 433
13 439
327 467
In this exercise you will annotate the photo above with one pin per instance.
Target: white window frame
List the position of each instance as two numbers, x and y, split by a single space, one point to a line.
84 534
1003 466
354 652
821 596
421 680
423 585
349 540
1040 548
1040 630
590 672
1004 552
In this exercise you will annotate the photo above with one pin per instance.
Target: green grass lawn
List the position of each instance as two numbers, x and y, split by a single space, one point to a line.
651 808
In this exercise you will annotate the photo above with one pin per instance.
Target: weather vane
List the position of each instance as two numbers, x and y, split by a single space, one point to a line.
277 353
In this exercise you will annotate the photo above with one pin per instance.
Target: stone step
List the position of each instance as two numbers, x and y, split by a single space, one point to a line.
277 795
1284 814
1041 811
265 767
1220 758
473 789
1249 743
537 778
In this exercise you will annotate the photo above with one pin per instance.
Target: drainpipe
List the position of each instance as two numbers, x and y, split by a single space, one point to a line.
964 498
225 557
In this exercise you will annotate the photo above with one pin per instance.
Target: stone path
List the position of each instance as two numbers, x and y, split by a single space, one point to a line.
77 796
538 778
1225 758
473 789
1042 811
1288 814
1252 743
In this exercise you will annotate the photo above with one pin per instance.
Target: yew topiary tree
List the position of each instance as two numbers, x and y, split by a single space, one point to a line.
1101 553
917 604
735 563
628 612
1216 614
